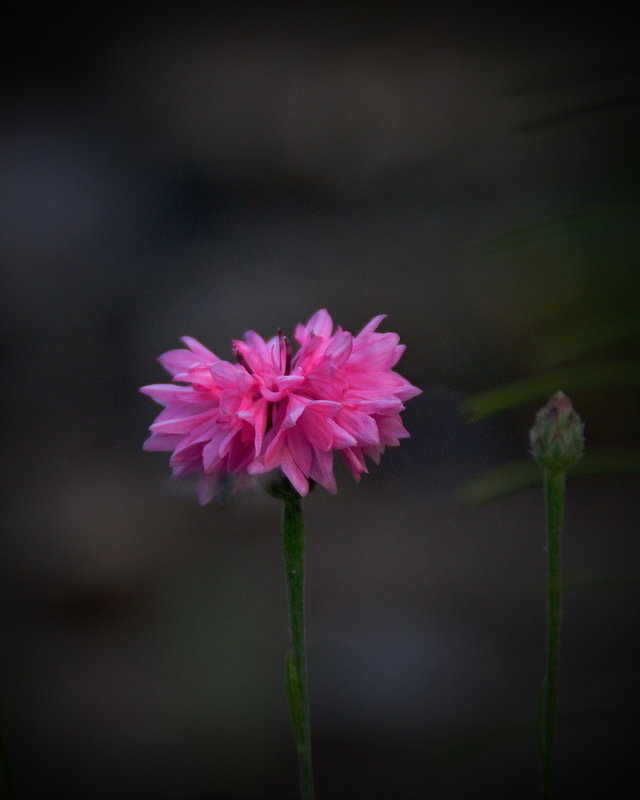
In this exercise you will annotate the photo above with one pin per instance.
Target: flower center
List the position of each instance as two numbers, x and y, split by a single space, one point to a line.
285 352
242 361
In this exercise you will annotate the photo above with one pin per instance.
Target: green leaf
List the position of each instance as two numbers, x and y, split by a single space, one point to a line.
610 221
509 478
540 387
581 338
609 461
501 482
578 112
601 71
540 232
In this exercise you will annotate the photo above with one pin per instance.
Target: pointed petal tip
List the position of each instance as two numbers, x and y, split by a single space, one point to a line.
372 324
207 485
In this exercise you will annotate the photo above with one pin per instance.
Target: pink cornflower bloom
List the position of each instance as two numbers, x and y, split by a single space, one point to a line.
275 410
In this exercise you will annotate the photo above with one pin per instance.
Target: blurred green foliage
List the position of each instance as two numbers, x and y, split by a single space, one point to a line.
540 387
592 336
517 475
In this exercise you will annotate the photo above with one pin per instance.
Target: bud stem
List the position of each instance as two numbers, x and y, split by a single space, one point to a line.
554 489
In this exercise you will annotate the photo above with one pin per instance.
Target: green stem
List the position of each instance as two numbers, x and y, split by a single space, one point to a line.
554 481
296 665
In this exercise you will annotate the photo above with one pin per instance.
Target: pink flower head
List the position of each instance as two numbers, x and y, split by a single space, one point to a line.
275 410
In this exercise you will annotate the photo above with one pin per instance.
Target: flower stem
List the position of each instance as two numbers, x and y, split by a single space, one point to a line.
554 484
296 664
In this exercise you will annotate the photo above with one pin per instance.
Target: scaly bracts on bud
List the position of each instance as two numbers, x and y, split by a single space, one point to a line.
557 436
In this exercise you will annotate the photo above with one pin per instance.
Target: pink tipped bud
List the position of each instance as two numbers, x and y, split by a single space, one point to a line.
557 436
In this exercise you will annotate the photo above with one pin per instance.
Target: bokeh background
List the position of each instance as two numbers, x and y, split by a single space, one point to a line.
183 171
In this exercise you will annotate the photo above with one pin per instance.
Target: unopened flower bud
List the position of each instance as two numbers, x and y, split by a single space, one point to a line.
557 436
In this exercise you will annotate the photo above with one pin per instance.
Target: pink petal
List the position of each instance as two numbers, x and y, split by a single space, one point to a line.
275 354
407 391
211 452
165 393
244 380
300 449
322 471
294 409
180 411
341 438
292 471
340 348
320 324
192 454
207 485
391 429
317 431
161 442
327 408
240 456
309 350
361 426
178 424
373 453
374 352
180 470
270 395
289 381
256 343
199 349
226 443
354 460
178 361
257 417
256 352
378 404
371 325
224 374
201 433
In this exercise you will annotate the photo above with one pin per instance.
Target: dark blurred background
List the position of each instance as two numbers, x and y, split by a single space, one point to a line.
472 175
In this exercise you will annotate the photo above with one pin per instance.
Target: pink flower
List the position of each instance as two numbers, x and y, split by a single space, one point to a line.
275 410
